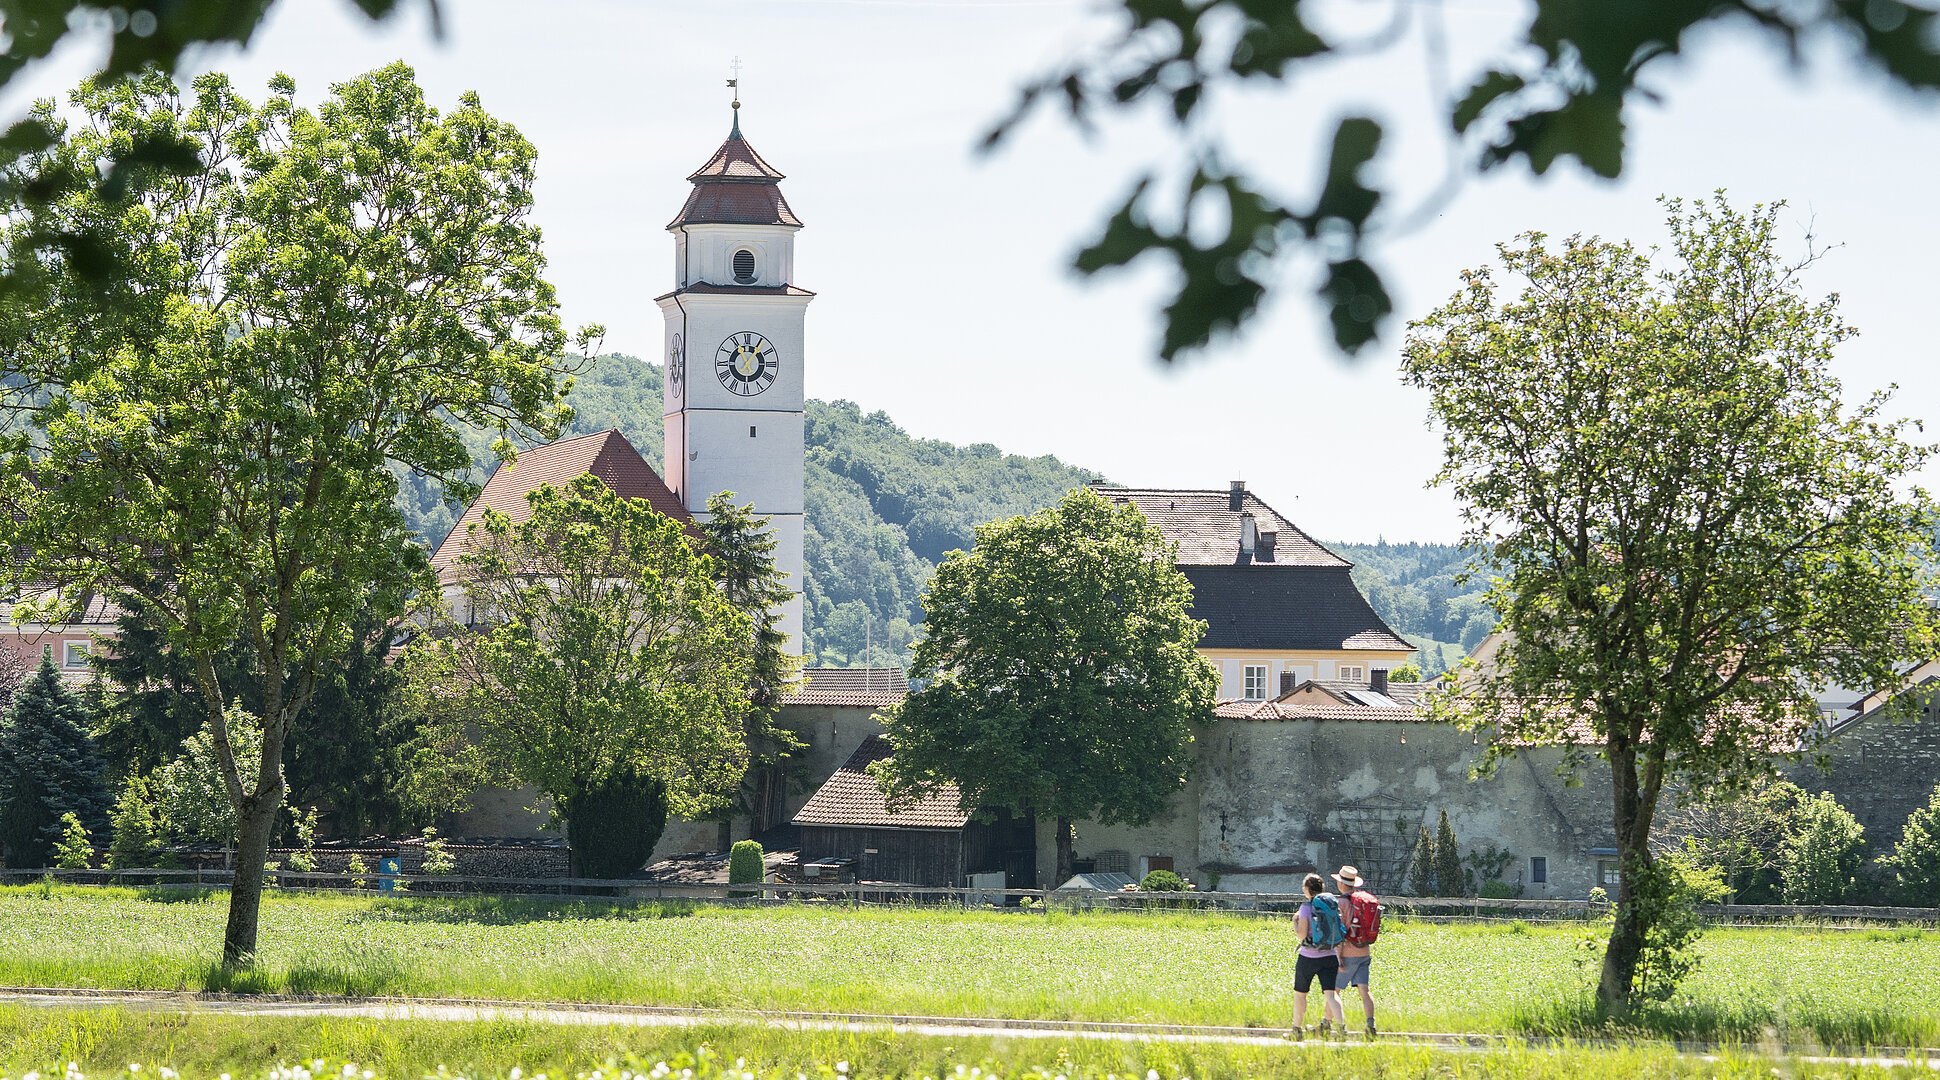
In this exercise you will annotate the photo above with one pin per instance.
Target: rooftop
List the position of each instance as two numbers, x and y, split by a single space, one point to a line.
852 798
1206 527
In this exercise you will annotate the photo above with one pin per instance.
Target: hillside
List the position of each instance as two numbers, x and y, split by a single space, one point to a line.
883 507
1417 589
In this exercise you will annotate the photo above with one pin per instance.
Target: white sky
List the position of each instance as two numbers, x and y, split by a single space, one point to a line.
944 295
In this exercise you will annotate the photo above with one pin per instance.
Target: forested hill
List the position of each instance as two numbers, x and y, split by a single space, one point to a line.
882 507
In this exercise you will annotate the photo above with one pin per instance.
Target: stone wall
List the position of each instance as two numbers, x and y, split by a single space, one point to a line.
1271 799
1881 766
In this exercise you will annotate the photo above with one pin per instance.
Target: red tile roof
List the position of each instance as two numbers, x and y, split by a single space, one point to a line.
736 160
852 798
605 454
857 687
736 187
1206 528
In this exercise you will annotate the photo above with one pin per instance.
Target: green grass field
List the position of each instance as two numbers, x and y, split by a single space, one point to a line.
104 1042
1802 986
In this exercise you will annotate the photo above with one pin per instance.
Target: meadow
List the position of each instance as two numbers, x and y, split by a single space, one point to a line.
103 1044
1800 985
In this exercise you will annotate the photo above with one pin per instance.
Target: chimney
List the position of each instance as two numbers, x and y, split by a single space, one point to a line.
1236 496
1288 680
1249 535
1378 680
1268 538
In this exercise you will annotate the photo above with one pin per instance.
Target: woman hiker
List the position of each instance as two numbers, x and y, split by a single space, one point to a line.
1317 958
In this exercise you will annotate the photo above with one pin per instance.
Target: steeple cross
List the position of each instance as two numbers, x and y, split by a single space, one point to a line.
736 81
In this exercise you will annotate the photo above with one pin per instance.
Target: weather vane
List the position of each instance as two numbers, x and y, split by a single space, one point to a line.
735 82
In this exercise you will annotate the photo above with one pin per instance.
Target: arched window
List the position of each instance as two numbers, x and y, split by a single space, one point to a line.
744 267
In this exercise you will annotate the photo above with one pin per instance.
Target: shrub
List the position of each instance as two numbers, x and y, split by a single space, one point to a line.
137 836
745 867
1162 881
1498 889
304 859
74 850
1421 867
1449 880
357 868
1820 860
614 826
437 860
1674 886
1912 868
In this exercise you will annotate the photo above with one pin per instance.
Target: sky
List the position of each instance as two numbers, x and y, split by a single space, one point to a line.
945 297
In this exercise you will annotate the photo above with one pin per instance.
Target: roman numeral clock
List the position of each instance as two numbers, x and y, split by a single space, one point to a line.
735 308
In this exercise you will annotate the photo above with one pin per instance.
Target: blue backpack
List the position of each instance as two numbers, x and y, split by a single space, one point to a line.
1325 930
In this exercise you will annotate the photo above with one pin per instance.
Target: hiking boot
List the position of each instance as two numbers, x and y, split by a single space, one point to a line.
1371 1033
1326 1029
1296 1034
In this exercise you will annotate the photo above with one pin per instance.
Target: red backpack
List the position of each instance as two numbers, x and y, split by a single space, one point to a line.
1363 913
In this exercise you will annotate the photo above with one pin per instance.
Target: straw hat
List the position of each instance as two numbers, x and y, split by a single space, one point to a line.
1349 877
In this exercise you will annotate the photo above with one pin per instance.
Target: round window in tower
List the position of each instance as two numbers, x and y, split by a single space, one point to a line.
744 267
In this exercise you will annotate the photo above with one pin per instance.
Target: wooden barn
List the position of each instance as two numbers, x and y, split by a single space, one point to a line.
934 843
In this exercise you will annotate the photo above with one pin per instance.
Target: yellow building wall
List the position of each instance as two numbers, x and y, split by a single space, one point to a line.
1307 665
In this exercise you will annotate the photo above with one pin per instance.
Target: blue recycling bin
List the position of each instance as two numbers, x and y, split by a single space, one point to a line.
387 870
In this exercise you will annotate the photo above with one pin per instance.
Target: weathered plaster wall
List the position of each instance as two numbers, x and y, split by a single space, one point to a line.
1271 799
830 733
1882 768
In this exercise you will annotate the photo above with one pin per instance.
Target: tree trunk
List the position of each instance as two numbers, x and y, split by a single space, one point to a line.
1620 958
1066 840
255 820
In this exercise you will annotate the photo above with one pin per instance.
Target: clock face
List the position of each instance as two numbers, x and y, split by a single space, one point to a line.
746 363
677 367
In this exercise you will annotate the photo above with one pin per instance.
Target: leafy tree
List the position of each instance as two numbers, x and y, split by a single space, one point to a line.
137 839
1559 90
190 789
610 656
1688 523
349 746
1667 958
49 767
1060 674
1421 865
75 849
1740 834
1449 880
1408 672
1913 866
1823 856
315 303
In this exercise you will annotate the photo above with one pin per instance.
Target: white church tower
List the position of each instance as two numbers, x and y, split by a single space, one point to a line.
734 392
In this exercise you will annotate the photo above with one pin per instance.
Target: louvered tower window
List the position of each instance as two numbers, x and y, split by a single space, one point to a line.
744 267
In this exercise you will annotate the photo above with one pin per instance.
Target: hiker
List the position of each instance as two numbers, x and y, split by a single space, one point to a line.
1362 912
1321 932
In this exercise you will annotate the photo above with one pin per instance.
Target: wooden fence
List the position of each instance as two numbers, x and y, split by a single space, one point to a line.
1029 901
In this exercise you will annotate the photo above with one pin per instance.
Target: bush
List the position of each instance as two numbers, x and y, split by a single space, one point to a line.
304 859
1913 866
1820 861
74 850
357 868
1498 889
614 827
1163 881
137 838
745 867
1674 886
438 861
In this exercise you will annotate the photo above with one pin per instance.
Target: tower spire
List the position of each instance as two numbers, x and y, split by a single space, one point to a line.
735 84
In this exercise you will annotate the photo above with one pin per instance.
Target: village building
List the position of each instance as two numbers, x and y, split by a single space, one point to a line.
1879 754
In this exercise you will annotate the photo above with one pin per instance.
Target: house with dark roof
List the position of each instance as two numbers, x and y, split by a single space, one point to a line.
1280 608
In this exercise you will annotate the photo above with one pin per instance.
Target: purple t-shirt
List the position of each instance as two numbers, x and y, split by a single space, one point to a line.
1307 912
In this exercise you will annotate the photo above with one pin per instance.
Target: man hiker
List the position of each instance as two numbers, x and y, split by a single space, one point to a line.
1362 913
1321 932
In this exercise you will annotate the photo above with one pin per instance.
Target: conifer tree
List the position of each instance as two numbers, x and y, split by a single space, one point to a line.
137 840
1448 860
1421 867
48 767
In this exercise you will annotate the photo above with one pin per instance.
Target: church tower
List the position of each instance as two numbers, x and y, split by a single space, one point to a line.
734 347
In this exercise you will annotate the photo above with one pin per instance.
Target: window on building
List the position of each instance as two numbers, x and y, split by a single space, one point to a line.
1538 870
1353 673
1256 682
751 431
1606 873
76 654
744 266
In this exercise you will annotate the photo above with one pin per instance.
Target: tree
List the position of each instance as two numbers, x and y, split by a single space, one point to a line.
1821 860
1558 91
609 655
48 768
191 792
1688 525
137 839
1449 879
1421 865
1914 863
743 547
1059 674
1739 834
312 305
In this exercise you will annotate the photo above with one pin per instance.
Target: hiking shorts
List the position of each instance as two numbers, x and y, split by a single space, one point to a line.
1308 968
1353 970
